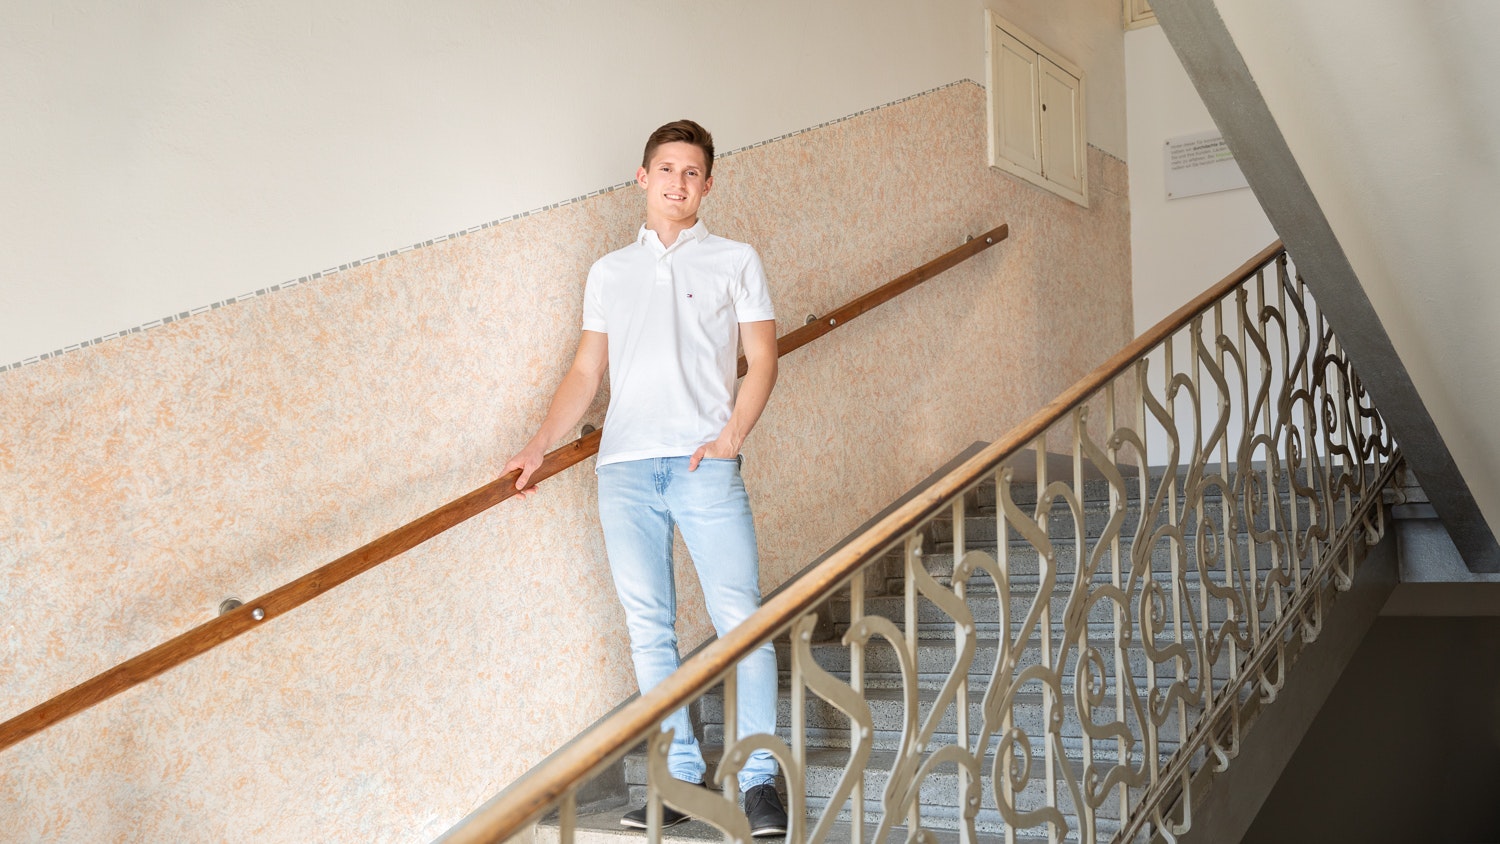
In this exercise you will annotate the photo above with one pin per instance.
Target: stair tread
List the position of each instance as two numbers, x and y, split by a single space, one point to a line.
595 825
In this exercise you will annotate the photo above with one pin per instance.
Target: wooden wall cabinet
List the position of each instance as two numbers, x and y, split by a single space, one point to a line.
1036 111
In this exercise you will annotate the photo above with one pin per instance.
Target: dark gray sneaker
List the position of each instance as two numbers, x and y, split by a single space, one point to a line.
763 808
636 818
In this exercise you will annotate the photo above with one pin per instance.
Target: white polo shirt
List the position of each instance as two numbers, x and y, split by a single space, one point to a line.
672 316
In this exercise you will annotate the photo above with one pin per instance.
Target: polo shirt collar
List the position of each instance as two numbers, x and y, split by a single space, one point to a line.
698 232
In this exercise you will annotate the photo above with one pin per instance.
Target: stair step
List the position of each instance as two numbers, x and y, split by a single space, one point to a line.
981 512
829 728
882 668
1024 560
982 525
1096 489
984 607
939 791
603 827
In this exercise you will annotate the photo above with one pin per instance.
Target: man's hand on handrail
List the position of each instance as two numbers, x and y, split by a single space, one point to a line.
528 460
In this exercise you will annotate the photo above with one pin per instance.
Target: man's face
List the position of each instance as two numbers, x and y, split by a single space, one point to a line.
675 182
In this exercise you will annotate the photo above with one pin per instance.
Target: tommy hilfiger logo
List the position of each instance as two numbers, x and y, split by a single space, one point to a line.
690 295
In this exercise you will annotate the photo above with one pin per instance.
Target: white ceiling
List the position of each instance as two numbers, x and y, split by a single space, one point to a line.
1392 110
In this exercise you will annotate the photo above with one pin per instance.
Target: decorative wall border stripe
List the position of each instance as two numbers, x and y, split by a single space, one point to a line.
285 285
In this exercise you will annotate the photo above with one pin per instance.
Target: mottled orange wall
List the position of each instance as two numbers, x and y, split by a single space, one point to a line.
144 479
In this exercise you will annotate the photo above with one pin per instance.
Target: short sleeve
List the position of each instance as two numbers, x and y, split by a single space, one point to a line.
593 302
752 301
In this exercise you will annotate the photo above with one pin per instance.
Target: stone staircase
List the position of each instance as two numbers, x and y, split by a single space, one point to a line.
828 730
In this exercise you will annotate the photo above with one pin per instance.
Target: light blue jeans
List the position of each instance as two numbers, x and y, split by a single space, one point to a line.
639 502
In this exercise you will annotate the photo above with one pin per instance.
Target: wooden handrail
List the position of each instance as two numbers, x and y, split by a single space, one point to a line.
796 339
600 746
254 613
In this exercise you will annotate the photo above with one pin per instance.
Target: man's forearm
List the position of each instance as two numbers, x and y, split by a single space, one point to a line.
569 403
750 402
759 339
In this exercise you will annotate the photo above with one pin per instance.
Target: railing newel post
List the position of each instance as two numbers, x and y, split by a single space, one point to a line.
857 682
1083 574
959 514
1244 474
1174 523
797 811
1008 644
730 686
567 819
1117 610
1230 505
1193 499
912 559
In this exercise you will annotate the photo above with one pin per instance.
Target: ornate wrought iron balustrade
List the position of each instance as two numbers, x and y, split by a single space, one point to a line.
1072 623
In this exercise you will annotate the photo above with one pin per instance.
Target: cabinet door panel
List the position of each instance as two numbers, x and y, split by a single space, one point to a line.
1062 156
1018 126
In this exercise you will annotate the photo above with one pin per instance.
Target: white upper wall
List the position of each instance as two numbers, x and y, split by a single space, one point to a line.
164 155
1178 247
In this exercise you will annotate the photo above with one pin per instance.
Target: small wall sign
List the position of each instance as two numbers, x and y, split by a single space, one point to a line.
1199 164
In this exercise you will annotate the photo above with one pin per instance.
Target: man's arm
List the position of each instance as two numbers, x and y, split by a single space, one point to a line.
573 397
759 340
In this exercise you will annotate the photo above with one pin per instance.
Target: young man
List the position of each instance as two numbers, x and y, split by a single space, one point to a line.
664 316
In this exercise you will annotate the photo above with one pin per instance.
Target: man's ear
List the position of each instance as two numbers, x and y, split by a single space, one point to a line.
708 185
640 176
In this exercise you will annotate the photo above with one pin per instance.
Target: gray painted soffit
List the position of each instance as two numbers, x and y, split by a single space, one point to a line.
1218 70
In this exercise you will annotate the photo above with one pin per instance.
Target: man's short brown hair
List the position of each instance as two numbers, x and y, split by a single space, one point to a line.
682 131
